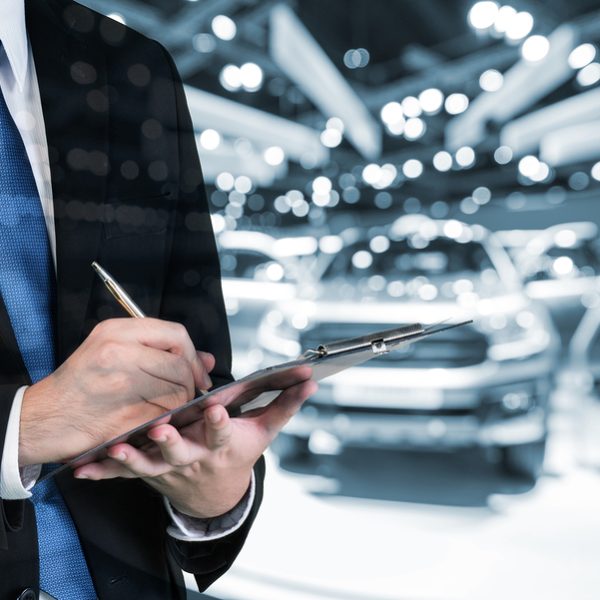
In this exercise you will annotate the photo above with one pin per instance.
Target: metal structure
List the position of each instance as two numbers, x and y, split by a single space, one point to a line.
300 53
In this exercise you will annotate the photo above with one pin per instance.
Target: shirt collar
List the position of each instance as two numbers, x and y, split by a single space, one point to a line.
13 36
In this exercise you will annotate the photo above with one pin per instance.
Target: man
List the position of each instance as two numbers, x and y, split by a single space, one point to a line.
98 162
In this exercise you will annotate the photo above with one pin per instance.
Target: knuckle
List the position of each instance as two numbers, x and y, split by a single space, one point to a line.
187 346
195 468
113 326
221 440
180 331
137 469
222 435
101 328
107 355
119 382
144 327
149 323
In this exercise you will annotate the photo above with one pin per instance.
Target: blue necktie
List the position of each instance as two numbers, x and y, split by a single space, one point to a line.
28 290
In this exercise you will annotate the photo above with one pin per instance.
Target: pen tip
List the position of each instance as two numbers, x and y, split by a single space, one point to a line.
100 271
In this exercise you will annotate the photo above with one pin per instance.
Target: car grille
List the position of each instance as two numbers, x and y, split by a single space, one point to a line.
460 347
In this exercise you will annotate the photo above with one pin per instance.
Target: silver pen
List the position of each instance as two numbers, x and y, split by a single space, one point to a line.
121 296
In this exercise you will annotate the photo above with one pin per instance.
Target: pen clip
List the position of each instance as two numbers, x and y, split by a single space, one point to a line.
379 346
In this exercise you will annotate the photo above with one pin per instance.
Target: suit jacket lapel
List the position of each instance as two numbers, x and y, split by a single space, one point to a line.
72 81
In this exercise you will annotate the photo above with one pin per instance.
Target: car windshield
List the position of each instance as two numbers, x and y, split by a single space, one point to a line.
439 257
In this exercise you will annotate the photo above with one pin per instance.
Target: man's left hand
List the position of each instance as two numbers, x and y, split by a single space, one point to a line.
205 468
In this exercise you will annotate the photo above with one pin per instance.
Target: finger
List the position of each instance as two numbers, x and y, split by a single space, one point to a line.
155 378
284 407
207 359
166 367
103 469
138 463
175 450
217 427
161 335
179 342
201 377
207 362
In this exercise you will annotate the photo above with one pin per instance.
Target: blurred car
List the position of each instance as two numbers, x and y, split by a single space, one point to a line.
486 384
257 270
560 267
580 382
583 365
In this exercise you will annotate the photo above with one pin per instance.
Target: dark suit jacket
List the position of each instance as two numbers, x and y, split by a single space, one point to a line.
128 192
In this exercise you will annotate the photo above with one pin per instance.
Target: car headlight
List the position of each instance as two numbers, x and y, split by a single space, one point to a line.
515 336
277 335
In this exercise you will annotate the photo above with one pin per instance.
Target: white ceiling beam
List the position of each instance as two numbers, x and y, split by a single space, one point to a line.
578 143
524 84
303 60
263 129
524 134
226 158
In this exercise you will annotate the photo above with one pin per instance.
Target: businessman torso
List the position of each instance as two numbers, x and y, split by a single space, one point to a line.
128 192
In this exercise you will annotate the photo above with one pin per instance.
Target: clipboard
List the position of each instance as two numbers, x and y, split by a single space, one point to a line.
257 390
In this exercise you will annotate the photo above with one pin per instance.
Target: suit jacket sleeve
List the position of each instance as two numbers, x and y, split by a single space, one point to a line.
12 377
11 511
192 295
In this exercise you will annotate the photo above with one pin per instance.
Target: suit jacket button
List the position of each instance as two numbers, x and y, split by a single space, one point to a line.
27 594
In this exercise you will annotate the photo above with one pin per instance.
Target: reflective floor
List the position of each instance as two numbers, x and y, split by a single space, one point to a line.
382 525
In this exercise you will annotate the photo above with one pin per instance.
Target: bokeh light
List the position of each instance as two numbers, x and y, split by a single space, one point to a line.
491 80
581 56
535 48
483 14
456 103
442 160
224 27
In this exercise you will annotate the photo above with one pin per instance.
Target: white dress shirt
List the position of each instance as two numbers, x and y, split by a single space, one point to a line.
18 84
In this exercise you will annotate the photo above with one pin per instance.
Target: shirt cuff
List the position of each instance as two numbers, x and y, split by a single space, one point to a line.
192 529
16 482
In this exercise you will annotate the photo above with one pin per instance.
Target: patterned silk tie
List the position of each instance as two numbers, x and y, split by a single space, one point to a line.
28 290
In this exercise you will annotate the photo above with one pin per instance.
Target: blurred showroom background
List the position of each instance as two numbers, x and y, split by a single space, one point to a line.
371 163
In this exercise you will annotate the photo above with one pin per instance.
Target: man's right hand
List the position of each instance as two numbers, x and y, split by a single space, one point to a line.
126 372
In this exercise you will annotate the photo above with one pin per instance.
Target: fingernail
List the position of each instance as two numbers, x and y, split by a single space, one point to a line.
207 381
157 437
81 476
121 456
